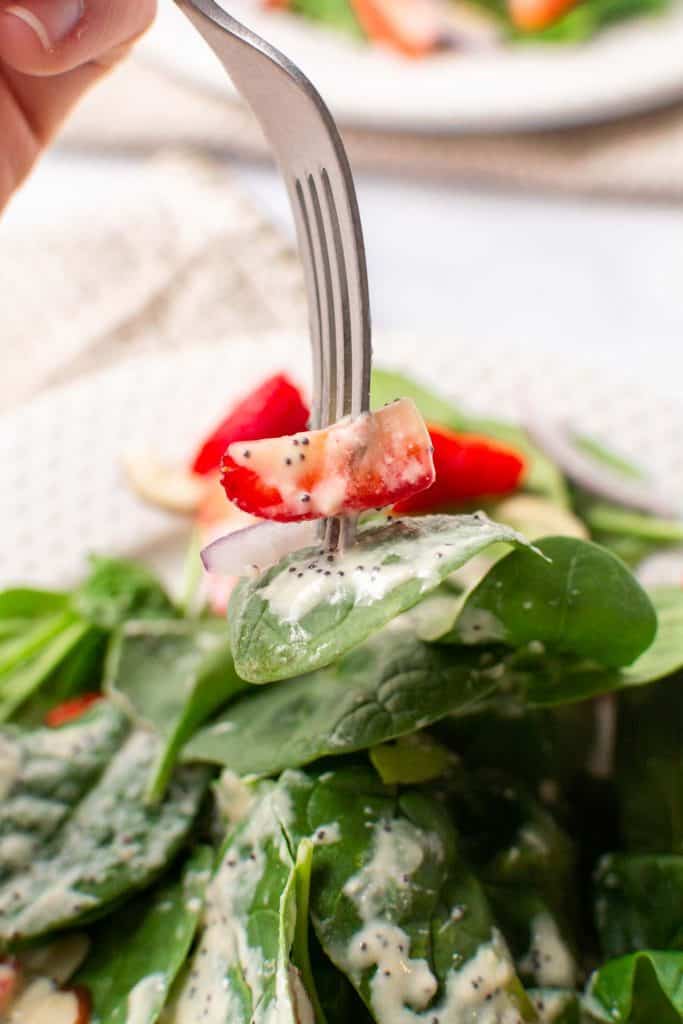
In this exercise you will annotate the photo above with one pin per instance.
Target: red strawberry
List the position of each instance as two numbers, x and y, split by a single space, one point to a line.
273 409
372 461
467 467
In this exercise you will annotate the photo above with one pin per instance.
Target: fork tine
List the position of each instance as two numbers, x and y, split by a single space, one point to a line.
311 154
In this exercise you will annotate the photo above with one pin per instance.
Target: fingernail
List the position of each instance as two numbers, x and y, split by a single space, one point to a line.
55 22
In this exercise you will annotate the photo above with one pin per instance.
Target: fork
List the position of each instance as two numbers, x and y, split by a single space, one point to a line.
314 164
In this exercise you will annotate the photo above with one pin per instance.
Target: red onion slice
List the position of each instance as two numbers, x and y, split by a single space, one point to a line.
555 440
256 547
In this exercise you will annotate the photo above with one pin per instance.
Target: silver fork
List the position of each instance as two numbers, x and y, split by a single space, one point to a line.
314 164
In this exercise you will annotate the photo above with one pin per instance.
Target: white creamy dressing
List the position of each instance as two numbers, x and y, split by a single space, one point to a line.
477 624
48 891
398 852
550 1004
366 581
549 960
59 899
327 835
146 1000
16 851
10 763
32 813
399 982
402 988
206 993
233 797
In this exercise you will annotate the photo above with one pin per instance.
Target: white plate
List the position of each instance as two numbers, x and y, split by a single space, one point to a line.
631 67
62 493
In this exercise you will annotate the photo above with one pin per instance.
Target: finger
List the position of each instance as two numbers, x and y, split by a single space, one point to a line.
52 37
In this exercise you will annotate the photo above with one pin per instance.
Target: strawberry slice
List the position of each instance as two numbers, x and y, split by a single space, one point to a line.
72 709
372 461
467 467
273 409
412 27
535 15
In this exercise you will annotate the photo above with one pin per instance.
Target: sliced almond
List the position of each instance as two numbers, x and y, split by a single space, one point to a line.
169 487
43 1003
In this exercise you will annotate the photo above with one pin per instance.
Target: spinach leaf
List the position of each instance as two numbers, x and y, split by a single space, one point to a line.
56 641
26 677
309 609
78 672
337 13
412 759
638 989
550 680
542 476
543 749
585 602
241 971
649 767
388 687
639 903
138 951
116 590
397 910
76 840
171 675
25 603
616 521
526 864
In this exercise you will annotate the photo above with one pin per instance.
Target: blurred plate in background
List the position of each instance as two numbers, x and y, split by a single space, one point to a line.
632 67
62 492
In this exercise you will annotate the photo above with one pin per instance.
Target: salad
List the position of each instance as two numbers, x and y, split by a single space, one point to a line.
434 776
418 28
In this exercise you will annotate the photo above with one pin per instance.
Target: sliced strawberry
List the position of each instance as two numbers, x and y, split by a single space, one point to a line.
534 15
72 709
372 461
273 409
413 27
467 467
10 983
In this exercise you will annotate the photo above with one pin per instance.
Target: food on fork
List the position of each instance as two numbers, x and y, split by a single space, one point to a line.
371 461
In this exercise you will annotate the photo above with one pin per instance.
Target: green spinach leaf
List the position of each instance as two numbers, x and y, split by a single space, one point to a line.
339 14
649 767
616 521
116 590
583 601
31 672
388 687
526 864
310 608
25 603
171 675
76 840
639 903
137 953
241 971
638 989
397 910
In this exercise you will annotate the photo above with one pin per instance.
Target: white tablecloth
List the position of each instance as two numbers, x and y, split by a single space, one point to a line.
550 272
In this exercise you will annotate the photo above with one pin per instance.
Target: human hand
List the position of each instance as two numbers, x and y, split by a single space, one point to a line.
51 51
